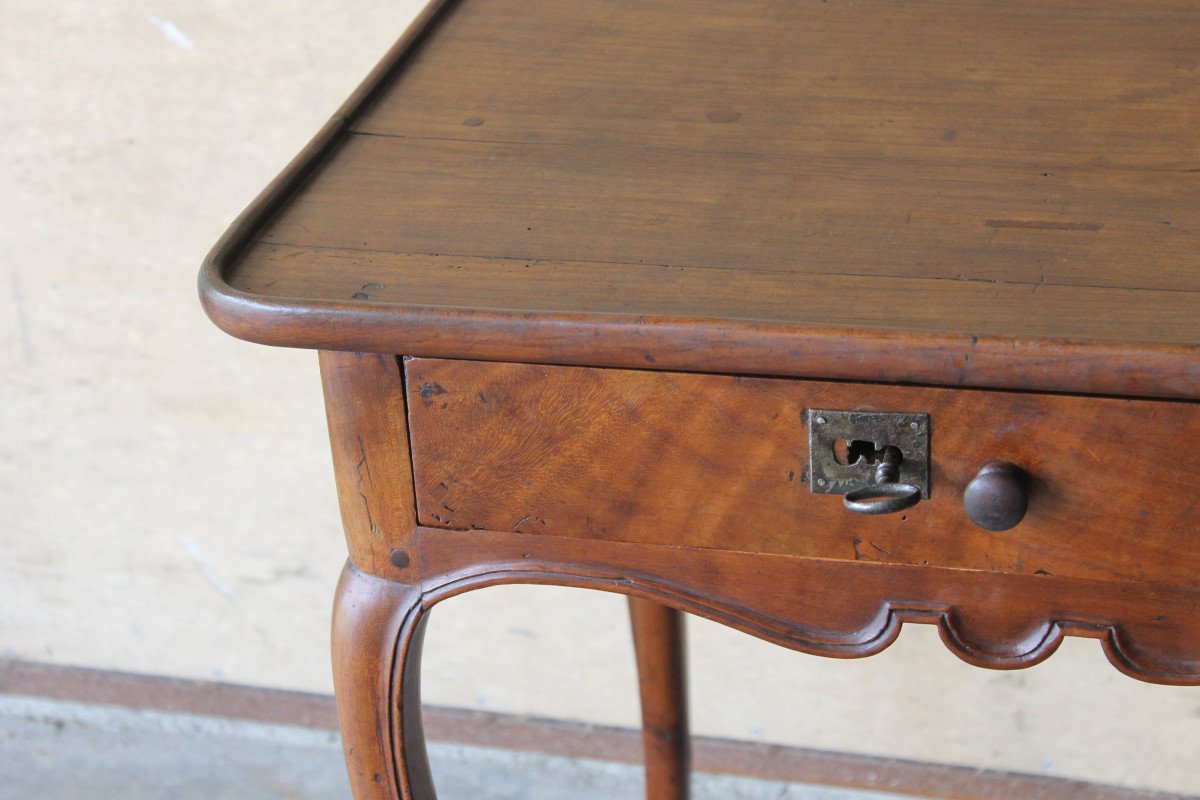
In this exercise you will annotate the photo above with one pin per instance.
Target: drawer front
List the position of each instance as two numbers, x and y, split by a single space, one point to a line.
720 462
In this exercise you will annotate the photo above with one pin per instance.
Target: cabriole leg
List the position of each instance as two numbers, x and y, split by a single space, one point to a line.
658 641
378 629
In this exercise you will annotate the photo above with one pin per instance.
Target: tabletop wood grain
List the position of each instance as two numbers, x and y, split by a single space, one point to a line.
987 194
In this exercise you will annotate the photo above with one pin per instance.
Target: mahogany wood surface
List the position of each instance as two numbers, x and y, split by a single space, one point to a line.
660 646
995 194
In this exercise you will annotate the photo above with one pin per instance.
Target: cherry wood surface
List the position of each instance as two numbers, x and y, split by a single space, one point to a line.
365 408
378 632
1003 616
721 462
843 609
995 194
660 646
993 612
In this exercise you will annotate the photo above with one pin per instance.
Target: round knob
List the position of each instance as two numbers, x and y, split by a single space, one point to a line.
996 500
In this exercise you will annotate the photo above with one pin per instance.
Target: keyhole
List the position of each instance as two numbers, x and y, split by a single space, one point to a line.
847 453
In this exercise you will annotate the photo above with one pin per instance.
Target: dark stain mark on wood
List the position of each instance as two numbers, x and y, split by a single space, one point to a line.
429 390
367 291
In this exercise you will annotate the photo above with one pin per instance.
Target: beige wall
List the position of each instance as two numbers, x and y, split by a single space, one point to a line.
166 502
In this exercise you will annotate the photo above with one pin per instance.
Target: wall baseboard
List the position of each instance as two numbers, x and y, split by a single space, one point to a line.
554 737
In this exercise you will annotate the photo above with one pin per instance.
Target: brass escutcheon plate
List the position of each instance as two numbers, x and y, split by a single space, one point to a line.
907 431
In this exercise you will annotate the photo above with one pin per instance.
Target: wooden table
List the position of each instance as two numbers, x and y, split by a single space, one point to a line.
596 283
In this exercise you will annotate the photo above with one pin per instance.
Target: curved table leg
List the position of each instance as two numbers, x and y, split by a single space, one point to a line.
658 641
378 629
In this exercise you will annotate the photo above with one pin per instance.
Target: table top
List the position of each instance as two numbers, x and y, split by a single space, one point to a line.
989 194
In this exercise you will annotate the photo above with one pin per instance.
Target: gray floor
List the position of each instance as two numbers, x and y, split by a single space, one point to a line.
57 750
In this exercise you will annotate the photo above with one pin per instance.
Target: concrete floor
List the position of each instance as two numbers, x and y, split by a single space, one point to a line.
59 750
166 499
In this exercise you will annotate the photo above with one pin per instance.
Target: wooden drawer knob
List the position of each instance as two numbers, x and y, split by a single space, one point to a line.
995 499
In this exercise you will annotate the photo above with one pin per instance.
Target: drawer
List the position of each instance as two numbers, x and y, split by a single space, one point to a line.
720 462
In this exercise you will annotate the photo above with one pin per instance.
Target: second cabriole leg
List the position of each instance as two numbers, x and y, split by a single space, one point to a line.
658 642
